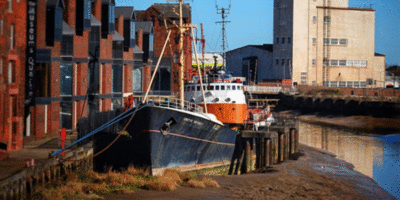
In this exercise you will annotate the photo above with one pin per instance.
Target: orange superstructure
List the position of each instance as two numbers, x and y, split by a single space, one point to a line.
228 113
223 95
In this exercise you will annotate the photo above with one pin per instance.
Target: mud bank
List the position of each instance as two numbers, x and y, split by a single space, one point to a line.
360 123
315 175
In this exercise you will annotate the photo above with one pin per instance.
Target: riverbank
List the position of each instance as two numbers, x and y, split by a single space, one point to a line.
360 123
315 175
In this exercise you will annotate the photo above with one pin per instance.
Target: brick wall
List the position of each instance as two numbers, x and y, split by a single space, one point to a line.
12 95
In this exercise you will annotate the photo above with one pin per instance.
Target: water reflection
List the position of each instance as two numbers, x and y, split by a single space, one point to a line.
358 150
376 157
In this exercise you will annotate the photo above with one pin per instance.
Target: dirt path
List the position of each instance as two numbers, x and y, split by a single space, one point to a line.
313 176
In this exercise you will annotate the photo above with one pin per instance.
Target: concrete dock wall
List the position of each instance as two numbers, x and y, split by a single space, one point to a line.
342 105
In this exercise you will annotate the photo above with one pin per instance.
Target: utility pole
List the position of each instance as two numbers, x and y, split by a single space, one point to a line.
224 13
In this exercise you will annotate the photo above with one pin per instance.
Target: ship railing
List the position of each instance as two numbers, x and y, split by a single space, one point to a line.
169 102
262 89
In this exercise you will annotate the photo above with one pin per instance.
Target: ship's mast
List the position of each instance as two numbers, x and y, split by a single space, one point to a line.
181 56
224 13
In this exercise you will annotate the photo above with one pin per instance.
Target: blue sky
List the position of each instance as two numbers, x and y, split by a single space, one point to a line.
252 22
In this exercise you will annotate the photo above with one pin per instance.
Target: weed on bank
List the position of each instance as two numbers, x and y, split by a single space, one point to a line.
92 185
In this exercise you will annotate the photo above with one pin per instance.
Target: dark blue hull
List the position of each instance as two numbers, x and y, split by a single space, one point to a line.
190 140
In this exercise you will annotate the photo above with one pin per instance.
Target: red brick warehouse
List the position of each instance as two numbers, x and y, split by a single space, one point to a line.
13 17
84 61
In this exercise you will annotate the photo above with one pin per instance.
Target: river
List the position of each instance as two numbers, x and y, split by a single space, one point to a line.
376 156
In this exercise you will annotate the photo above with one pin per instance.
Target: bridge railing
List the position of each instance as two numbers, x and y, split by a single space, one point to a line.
263 89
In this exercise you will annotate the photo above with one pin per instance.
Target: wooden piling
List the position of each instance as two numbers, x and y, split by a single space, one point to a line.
262 152
248 156
267 152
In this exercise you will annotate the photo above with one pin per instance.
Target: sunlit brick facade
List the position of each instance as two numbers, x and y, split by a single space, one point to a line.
12 73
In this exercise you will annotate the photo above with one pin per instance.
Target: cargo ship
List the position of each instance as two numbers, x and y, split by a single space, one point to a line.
168 132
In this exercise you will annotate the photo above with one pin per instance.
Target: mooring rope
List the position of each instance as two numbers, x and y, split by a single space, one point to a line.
96 131
193 138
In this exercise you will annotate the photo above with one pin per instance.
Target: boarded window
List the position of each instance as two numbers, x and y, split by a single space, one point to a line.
67 45
117 78
43 80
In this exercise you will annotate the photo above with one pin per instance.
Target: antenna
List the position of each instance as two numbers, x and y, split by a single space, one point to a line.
224 13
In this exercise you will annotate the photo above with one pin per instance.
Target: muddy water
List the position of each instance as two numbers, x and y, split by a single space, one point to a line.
375 156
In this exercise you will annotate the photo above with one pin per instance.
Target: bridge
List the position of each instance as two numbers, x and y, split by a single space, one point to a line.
255 89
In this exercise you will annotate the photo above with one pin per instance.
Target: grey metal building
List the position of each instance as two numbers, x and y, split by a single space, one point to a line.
253 62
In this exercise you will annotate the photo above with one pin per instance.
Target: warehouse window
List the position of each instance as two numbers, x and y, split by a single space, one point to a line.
117 49
289 40
342 62
314 41
314 62
66 79
1 27
334 41
277 61
277 40
12 36
283 62
283 40
303 77
116 79
349 83
326 41
327 19
342 84
314 19
11 72
66 115
363 84
334 63
107 19
9 5
54 21
83 16
343 41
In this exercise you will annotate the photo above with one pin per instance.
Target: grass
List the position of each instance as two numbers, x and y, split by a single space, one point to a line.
218 171
92 185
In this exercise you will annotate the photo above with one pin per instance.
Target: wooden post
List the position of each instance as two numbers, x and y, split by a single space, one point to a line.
292 140
239 163
276 150
248 156
257 152
262 152
236 156
267 152
23 189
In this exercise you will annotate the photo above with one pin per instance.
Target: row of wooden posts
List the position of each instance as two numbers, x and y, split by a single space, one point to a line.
259 149
25 183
